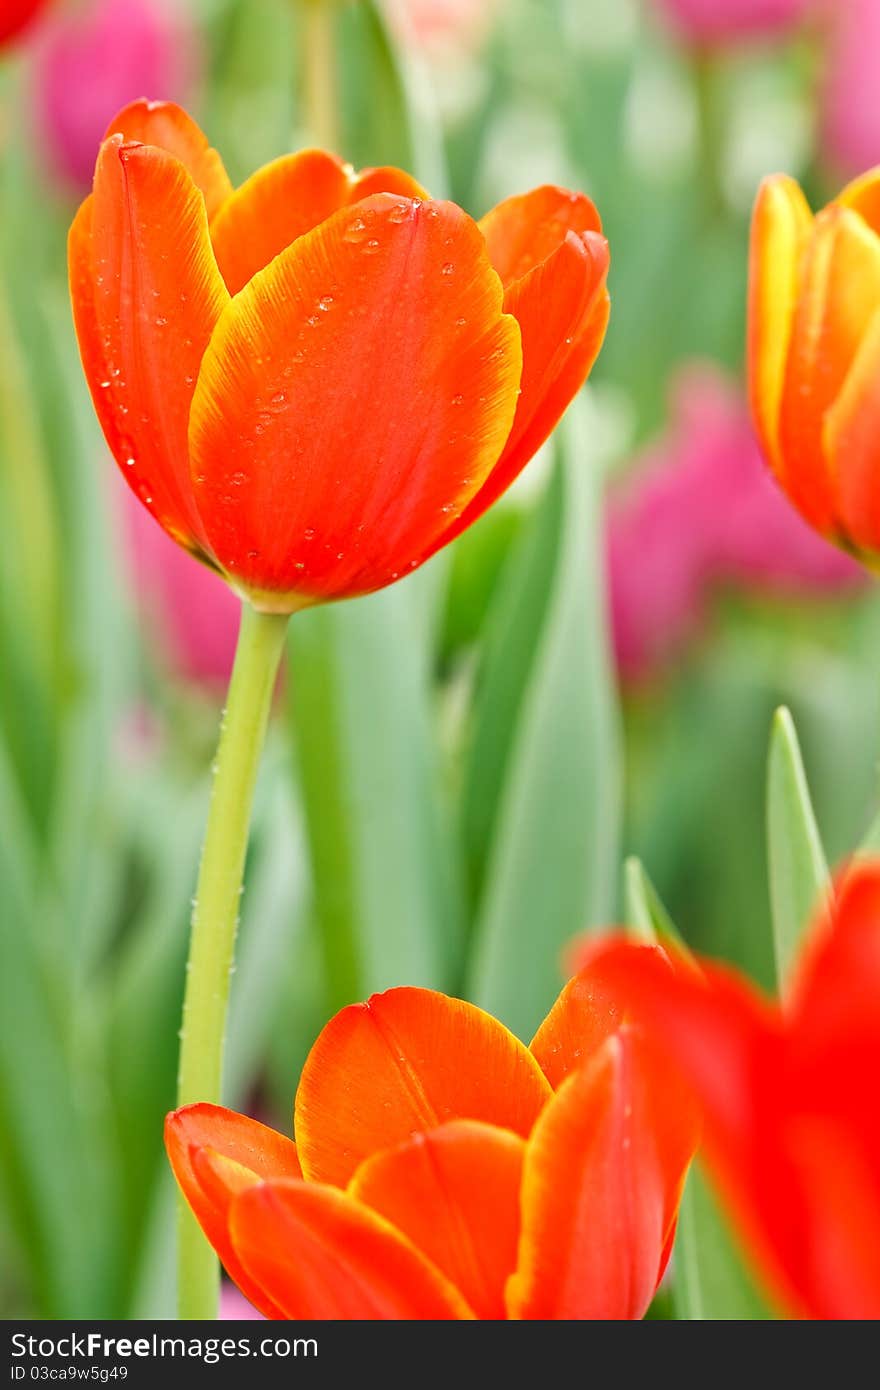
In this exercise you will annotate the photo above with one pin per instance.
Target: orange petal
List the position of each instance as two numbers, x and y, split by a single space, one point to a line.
353 398
589 1009
401 1064
839 295
549 252
146 296
851 440
525 231
781 226
601 1184
863 196
168 127
286 199
216 1153
316 1253
455 1194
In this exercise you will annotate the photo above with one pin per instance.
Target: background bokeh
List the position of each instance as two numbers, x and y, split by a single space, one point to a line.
456 767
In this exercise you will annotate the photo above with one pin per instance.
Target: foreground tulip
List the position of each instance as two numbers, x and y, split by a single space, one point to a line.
315 382
789 1100
444 1170
814 355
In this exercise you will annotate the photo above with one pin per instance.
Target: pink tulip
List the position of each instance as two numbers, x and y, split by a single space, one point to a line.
91 60
192 615
234 1307
850 120
703 22
443 24
698 511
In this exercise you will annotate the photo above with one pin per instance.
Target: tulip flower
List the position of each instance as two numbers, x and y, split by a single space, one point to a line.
444 1170
316 381
704 22
91 60
192 619
787 1093
850 116
814 355
697 512
16 16
312 383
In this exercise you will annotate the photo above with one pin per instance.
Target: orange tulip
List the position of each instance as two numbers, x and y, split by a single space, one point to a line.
315 381
814 355
444 1170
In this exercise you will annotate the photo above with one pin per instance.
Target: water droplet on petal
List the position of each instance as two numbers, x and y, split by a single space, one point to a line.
448 269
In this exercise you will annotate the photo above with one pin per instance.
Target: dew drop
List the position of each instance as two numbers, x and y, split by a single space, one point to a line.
325 302
458 400
460 323
160 322
309 533
448 269
372 246
130 462
279 398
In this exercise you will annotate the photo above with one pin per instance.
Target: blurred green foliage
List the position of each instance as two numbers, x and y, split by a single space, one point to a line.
449 784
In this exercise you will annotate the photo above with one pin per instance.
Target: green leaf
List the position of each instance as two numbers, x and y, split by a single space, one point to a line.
384 876
797 864
543 782
387 117
712 1282
645 913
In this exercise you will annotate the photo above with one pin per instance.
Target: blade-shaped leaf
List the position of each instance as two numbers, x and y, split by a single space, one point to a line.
384 877
545 754
711 1282
797 864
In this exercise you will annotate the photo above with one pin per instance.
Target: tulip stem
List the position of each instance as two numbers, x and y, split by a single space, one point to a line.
320 96
215 914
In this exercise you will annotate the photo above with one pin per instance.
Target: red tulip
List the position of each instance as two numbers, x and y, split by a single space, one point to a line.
788 1094
316 381
443 1170
16 16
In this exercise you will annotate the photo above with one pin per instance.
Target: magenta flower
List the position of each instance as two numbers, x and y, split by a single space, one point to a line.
234 1307
700 510
92 60
850 121
726 21
192 618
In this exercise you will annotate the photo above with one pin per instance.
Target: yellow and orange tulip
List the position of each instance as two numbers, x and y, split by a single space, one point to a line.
315 381
444 1170
814 355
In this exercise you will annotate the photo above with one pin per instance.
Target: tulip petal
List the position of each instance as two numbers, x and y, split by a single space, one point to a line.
284 200
839 294
353 398
404 1063
169 127
851 438
589 1009
553 261
316 1253
455 1194
602 1180
146 296
863 196
525 231
215 1153
726 1042
780 229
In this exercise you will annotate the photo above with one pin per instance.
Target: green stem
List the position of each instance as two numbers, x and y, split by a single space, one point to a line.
320 95
215 914
710 134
